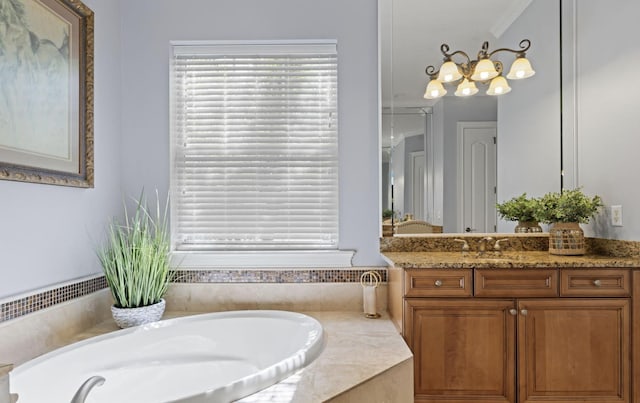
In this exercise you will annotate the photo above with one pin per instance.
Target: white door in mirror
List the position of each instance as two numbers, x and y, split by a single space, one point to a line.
477 176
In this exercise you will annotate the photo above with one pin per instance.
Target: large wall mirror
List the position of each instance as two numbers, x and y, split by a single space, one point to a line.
432 170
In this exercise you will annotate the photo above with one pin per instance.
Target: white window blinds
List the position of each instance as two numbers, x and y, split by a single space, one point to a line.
254 147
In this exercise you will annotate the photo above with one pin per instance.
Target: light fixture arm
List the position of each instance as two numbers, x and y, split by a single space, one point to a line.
432 72
444 48
482 54
498 65
524 44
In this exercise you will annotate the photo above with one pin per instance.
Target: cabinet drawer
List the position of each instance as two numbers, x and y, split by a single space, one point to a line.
438 283
595 283
516 283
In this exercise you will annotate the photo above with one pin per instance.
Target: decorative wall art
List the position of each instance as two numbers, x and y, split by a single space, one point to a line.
46 92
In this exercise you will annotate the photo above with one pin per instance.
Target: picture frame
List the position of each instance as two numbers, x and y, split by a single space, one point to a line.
46 92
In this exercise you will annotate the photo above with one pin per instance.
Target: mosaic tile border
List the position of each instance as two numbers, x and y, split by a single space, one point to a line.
35 302
275 276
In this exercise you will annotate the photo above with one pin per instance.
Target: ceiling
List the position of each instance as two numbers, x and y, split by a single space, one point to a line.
411 32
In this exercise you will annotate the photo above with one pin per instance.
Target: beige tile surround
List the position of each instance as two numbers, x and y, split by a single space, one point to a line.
31 335
342 376
393 385
365 360
210 297
34 334
4 383
4 369
20 305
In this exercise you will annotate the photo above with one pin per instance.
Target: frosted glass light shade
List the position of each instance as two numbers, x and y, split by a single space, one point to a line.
485 70
498 86
521 68
449 72
466 88
434 90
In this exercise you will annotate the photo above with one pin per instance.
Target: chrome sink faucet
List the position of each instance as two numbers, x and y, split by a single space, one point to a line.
482 244
465 246
497 249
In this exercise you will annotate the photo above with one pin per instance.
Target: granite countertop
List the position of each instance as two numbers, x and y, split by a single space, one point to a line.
515 260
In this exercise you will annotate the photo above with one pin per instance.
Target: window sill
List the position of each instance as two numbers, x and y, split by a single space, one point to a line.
263 259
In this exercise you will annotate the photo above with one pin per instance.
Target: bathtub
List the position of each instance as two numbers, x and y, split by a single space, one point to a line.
217 357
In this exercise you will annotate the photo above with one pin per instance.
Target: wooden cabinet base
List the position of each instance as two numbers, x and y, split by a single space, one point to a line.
525 336
574 350
464 351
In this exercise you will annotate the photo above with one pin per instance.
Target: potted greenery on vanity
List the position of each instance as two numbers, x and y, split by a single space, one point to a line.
521 209
135 261
565 212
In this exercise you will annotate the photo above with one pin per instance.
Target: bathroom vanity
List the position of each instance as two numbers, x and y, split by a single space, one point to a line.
523 326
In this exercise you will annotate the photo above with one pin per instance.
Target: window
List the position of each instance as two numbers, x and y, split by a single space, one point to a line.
254 147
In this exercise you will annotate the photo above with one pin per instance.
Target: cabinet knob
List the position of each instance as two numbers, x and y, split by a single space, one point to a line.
597 283
524 312
438 283
513 312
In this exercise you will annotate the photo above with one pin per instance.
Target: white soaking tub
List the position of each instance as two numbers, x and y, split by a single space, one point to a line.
217 357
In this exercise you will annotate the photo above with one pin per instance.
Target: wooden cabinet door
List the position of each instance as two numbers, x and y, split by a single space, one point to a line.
573 350
464 350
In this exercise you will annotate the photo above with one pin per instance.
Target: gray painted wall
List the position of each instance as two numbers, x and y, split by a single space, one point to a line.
48 233
607 106
149 25
529 116
605 140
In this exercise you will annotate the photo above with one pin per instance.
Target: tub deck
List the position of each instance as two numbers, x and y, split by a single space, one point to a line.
364 360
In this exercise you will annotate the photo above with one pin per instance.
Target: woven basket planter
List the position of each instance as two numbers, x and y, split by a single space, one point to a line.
566 238
129 317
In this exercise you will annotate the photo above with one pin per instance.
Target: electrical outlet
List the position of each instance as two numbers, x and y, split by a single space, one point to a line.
616 216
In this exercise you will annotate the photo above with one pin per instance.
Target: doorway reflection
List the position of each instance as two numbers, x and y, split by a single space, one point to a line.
424 162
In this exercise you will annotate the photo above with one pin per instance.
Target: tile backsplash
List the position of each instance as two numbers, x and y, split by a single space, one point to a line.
448 243
516 242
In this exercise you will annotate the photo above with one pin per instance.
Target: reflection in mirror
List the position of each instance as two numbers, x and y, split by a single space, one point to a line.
448 161
403 160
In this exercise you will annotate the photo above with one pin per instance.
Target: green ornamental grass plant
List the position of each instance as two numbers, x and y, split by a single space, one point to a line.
135 257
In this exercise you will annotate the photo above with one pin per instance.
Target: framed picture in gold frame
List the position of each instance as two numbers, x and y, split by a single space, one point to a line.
46 92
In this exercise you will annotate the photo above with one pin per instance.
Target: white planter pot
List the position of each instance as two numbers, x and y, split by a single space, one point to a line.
129 317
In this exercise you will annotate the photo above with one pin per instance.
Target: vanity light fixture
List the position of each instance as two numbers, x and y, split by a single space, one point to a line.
482 70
